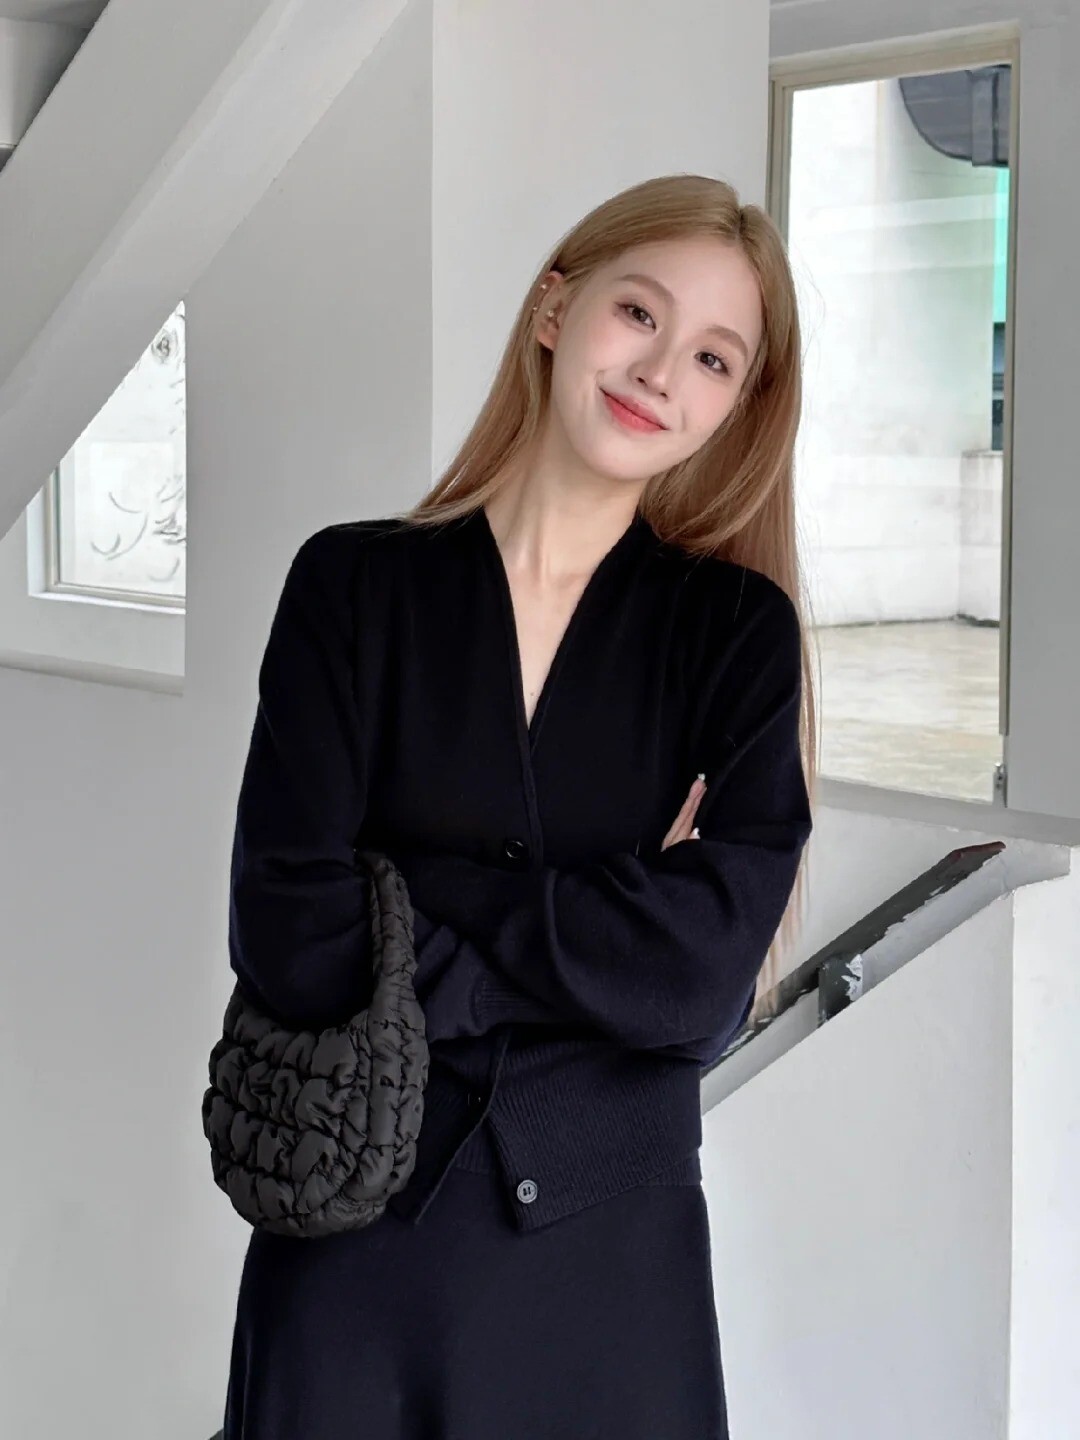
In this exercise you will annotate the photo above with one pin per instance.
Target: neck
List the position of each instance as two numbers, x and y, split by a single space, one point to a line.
555 521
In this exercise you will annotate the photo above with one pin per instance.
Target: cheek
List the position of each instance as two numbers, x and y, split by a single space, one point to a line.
710 407
599 345
580 361
703 414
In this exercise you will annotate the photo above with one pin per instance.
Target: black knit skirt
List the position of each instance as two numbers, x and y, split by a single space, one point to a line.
600 1326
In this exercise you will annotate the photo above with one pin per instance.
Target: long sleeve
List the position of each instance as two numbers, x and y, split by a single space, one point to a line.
300 937
710 1047
448 968
299 916
451 980
658 952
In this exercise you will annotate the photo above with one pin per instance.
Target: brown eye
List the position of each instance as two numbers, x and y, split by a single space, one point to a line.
721 367
640 310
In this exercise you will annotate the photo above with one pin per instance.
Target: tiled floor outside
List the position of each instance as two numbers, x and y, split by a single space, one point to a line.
912 706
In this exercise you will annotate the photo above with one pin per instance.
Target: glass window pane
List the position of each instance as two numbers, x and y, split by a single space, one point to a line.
121 491
898 233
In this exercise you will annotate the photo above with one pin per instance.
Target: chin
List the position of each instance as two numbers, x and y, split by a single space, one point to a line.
620 462
624 474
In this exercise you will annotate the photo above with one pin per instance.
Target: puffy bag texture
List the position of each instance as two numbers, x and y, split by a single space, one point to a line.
311 1132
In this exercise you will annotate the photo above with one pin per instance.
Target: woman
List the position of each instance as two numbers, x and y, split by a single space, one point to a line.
565 693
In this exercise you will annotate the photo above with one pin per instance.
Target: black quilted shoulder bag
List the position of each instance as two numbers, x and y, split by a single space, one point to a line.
311 1133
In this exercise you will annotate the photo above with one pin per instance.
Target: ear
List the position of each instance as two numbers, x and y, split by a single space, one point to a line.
548 298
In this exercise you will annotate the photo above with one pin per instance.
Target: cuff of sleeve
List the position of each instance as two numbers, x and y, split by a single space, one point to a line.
495 1000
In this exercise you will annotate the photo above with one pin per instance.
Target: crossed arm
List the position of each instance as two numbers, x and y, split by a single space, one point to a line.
657 952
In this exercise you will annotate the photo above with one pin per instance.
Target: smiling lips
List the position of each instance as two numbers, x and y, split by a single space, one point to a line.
632 415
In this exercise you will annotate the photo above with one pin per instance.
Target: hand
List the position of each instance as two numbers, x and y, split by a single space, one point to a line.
681 828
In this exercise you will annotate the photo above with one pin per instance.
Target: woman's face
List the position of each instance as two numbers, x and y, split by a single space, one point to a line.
670 327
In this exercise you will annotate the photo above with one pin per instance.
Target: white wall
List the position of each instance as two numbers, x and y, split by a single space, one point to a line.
310 379
312 340
309 390
893 1200
1044 1391
583 99
33 56
97 255
859 858
859 1193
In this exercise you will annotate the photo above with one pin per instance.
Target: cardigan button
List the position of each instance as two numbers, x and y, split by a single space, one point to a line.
527 1191
515 849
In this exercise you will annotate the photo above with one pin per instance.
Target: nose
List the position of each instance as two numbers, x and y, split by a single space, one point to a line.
653 372
651 386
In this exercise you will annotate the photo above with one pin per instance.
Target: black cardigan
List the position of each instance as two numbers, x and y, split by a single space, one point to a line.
574 976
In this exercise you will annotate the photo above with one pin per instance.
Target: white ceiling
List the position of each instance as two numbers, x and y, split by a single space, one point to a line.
81 13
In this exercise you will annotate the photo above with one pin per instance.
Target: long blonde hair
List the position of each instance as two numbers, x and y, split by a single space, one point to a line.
734 497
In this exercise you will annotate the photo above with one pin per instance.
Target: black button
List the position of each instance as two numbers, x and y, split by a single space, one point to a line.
515 849
475 1100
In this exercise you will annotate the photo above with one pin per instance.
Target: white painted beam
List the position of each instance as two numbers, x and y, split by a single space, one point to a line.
33 56
159 138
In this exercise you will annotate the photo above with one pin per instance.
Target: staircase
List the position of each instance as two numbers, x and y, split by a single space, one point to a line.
891 1163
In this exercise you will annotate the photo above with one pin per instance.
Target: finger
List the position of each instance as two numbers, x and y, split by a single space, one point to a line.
679 831
691 810
682 832
680 826
693 797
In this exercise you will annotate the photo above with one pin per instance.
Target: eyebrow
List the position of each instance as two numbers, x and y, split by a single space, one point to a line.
728 334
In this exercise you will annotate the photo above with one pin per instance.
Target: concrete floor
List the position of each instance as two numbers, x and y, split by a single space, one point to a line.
912 706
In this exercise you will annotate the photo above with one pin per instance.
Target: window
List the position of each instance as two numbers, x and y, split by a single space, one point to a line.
116 519
893 191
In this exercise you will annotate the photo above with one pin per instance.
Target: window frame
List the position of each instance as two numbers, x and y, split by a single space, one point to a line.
885 60
50 542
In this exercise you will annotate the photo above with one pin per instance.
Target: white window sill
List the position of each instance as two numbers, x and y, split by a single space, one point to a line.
80 636
942 810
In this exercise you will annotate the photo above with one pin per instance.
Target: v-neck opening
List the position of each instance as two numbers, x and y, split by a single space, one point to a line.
529 730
